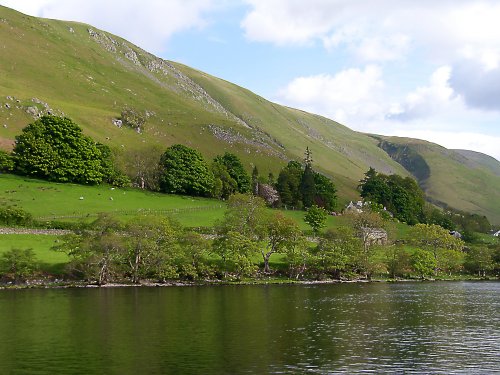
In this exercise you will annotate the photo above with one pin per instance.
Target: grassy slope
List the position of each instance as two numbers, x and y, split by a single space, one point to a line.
92 85
339 151
45 199
479 160
78 76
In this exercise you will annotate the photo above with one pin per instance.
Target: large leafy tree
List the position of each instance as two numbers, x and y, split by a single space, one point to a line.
316 218
337 252
326 192
402 196
236 171
184 171
224 184
445 248
55 148
282 236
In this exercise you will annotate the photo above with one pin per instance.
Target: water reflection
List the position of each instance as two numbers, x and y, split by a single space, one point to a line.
350 328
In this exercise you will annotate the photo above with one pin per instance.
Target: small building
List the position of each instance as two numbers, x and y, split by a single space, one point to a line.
353 208
456 234
497 233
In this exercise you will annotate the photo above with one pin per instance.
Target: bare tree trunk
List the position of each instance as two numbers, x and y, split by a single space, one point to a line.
266 257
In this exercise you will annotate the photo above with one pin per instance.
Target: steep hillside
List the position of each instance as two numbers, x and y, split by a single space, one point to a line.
463 180
92 76
479 160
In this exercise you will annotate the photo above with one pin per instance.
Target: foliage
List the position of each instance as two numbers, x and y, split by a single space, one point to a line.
110 173
245 214
479 260
268 193
423 262
18 264
444 247
236 251
326 192
282 235
194 249
6 162
299 188
96 255
316 218
401 196
142 167
439 217
54 148
297 254
288 184
307 187
468 222
337 252
397 261
224 184
151 248
14 216
184 171
236 171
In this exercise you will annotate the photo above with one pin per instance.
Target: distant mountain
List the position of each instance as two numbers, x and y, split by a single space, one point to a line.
92 76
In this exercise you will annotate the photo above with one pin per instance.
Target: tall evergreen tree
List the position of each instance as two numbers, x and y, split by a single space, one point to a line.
307 186
288 184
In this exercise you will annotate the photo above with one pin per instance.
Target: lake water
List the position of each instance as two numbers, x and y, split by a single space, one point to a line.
434 327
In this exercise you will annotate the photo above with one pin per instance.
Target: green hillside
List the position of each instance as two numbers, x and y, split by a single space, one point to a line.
450 177
478 160
91 76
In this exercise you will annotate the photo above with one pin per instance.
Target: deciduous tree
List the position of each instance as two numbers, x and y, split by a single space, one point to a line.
184 171
55 148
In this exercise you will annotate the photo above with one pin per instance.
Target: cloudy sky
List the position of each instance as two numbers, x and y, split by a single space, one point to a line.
426 69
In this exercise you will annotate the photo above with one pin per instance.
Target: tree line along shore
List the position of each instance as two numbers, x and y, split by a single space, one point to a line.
255 239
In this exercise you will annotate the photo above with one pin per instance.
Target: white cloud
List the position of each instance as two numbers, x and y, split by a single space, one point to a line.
287 21
439 33
427 100
147 23
345 96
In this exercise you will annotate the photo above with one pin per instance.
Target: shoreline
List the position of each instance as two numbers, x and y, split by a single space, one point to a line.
44 284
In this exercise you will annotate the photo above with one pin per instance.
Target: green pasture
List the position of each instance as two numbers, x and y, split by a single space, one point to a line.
51 261
57 201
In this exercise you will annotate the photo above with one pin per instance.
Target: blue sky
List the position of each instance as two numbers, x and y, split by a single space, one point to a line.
424 69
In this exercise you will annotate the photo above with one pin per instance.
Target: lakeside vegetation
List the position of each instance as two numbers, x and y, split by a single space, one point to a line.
122 234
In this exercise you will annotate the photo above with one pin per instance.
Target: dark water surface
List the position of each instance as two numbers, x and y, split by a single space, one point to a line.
438 328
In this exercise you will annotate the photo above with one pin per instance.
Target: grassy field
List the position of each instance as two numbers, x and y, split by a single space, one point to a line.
71 202
51 261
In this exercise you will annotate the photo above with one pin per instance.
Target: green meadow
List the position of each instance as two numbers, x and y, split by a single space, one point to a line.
50 261
62 202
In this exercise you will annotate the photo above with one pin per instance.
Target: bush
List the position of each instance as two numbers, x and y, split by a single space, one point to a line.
12 216
18 264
